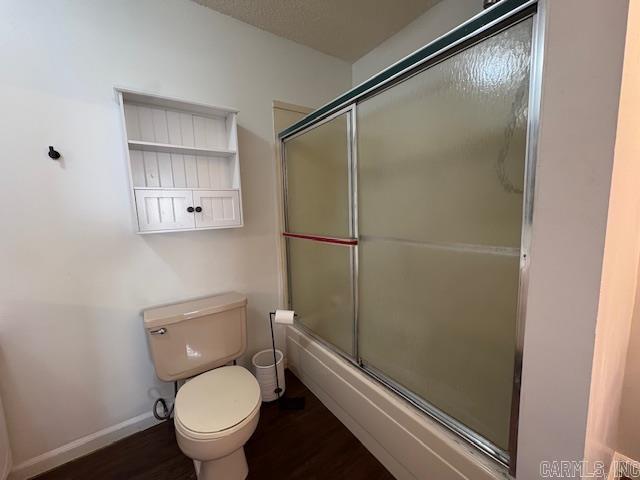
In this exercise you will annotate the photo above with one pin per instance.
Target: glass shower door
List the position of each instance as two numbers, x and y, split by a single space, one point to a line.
407 257
441 159
319 230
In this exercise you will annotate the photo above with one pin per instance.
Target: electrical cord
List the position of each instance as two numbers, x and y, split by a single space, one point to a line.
166 411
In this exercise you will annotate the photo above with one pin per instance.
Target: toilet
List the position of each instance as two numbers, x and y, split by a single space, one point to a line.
217 409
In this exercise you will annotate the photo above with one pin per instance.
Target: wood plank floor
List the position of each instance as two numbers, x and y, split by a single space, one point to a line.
310 444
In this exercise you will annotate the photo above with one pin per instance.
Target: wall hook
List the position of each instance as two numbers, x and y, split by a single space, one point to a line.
53 153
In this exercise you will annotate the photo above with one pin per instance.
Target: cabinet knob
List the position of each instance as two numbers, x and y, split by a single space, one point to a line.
198 209
190 209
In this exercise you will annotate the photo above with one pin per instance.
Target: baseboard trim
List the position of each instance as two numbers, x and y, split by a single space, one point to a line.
81 447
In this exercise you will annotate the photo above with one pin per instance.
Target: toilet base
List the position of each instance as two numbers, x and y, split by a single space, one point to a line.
232 467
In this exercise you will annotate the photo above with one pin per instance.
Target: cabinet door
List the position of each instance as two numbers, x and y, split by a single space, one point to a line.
164 210
220 208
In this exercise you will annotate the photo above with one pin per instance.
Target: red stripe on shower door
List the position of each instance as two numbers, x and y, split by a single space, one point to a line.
315 238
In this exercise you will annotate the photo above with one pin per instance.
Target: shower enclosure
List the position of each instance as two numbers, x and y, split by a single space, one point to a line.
408 203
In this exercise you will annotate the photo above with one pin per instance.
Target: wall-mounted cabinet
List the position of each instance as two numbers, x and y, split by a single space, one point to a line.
183 163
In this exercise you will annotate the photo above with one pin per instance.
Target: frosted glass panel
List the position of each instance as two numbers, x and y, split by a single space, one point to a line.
441 174
441 155
321 290
442 324
317 172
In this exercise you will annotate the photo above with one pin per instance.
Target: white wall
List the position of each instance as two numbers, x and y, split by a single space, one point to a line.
435 22
580 95
73 275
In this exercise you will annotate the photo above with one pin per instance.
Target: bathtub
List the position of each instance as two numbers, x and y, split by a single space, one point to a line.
407 442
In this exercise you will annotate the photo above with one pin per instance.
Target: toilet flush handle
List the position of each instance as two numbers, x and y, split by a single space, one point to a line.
160 331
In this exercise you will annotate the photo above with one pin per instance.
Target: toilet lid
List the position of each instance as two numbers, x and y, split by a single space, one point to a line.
217 400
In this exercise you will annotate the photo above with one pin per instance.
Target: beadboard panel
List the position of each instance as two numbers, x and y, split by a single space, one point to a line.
175 170
160 125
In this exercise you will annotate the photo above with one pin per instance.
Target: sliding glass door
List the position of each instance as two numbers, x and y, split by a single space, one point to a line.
407 257
319 230
441 178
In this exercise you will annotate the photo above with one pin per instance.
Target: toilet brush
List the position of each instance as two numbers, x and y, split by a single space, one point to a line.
284 402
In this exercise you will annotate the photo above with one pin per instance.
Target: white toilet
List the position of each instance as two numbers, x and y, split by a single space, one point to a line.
217 410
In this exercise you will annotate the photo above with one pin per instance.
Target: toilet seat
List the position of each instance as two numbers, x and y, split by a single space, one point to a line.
217 403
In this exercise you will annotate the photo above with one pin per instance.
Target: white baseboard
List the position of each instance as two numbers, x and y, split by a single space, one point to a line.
81 447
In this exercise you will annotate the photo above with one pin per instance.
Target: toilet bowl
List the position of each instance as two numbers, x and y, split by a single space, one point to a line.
215 414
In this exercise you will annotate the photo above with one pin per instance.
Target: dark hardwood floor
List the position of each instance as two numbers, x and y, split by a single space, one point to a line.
309 444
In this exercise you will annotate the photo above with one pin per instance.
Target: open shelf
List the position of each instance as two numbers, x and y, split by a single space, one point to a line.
169 148
153 169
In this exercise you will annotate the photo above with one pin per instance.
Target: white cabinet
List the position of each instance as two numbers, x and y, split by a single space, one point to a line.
171 210
216 208
165 210
181 155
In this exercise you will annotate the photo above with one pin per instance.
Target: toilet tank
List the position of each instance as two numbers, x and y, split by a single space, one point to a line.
192 337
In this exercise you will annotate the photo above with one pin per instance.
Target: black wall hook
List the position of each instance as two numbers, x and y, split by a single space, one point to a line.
53 153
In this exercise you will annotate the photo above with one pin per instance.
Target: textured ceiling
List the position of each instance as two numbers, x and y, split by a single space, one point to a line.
346 29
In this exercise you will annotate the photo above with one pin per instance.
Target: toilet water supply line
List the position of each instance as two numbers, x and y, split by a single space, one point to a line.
166 411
